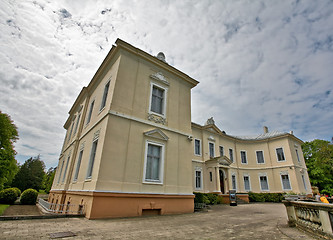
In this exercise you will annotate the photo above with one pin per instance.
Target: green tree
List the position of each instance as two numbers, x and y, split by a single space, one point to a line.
8 164
318 156
30 175
48 179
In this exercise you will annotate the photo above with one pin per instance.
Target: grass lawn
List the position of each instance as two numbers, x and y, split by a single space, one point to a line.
3 208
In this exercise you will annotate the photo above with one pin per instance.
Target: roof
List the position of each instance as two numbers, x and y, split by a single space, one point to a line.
262 136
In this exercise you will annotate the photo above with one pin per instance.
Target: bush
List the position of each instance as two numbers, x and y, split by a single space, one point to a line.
18 191
208 198
29 197
265 197
198 197
8 196
212 197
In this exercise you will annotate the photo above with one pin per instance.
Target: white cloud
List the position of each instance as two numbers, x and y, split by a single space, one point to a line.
258 62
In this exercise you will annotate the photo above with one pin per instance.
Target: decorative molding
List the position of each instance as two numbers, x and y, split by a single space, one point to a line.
82 146
157 133
96 134
156 118
210 121
211 138
160 77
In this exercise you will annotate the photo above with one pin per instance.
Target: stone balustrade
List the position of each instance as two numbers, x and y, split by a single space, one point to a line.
313 217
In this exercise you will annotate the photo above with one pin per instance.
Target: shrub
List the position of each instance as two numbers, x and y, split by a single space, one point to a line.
8 196
29 197
208 198
265 197
18 191
212 197
198 197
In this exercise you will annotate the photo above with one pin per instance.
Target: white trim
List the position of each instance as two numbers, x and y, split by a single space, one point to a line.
200 146
265 168
247 175
240 152
152 84
106 191
277 158
263 156
209 142
282 187
161 170
263 175
198 161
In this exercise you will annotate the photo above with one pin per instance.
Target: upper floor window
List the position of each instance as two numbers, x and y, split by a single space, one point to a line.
211 149
71 131
280 154
243 157
297 156
231 155
260 157
105 95
77 123
154 162
92 159
158 99
197 147
221 151
90 111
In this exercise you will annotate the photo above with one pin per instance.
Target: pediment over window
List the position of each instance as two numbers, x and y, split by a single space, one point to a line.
157 133
160 77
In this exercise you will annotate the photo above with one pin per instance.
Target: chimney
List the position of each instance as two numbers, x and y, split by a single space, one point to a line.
265 129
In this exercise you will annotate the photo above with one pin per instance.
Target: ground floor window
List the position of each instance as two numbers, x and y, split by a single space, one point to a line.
153 162
198 178
304 183
247 183
233 182
263 183
285 182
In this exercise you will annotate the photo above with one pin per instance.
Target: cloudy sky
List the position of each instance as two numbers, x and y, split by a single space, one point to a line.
258 62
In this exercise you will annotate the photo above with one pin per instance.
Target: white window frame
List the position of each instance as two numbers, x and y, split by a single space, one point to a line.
297 155
200 149
233 175
152 84
78 165
285 174
90 111
231 151
263 156
277 158
246 162
263 175
198 169
304 183
77 123
213 149
92 160
161 170
105 95
65 172
221 147
247 175
62 166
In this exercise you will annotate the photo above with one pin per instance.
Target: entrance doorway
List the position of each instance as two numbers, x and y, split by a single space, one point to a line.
222 181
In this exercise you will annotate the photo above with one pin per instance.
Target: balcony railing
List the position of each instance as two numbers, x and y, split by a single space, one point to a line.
61 208
314 217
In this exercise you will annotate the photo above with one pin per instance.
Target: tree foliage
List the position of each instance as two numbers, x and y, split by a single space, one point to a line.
8 164
30 175
48 179
318 156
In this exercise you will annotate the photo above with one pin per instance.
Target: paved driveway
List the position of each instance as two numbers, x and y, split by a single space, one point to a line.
249 221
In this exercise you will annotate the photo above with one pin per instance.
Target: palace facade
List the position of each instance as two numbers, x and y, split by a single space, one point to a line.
131 148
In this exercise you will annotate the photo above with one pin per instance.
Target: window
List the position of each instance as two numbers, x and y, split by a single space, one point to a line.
285 182
233 181
231 154
280 155
221 151
260 157
304 183
211 149
297 156
78 166
62 166
70 133
263 183
154 163
92 159
157 100
197 147
247 183
63 177
198 179
105 95
90 111
243 157
211 176
77 123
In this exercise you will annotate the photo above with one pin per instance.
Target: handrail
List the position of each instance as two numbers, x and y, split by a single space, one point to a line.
61 208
